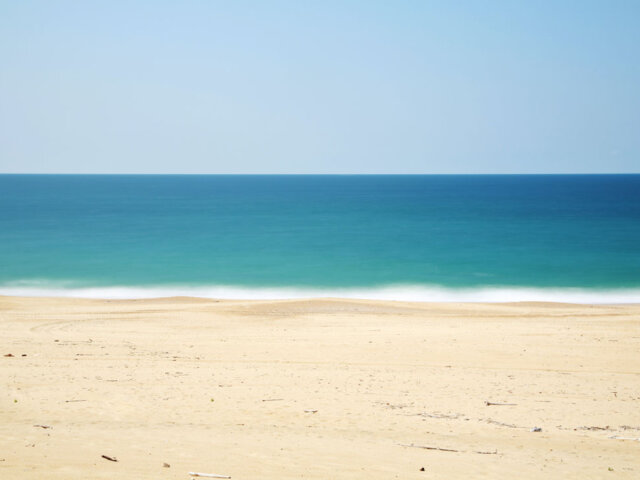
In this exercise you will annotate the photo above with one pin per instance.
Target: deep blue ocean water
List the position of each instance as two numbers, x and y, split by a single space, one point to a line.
423 237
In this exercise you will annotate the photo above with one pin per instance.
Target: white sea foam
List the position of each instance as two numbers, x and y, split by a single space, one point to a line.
418 293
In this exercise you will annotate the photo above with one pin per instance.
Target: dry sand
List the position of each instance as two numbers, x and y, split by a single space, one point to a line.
317 389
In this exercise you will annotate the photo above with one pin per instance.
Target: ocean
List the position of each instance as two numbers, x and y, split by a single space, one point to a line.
573 238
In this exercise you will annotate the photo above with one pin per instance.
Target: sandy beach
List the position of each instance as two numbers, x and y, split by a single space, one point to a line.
317 389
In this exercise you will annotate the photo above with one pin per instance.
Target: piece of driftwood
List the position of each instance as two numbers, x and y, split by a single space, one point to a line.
272 399
495 452
111 459
618 437
70 401
310 411
426 447
209 475
43 426
489 404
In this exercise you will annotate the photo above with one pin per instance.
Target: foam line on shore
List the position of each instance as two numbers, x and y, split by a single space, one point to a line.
418 293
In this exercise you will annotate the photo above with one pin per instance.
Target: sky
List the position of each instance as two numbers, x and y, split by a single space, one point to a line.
319 86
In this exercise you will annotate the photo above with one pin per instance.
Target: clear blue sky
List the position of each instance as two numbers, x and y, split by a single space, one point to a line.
319 87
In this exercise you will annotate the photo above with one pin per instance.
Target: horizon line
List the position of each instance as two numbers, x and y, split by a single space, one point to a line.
312 174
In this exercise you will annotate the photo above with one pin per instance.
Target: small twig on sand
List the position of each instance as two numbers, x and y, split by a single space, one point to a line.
428 448
210 475
111 459
617 437
627 427
502 424
272 399
489 404
43 426
69 401
310 411
436 415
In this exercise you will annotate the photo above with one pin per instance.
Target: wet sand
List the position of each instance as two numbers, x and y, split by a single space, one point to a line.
317 389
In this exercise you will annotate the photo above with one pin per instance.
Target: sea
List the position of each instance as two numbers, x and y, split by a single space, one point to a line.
493 238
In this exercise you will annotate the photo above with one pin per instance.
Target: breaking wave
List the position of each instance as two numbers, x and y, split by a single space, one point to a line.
417 293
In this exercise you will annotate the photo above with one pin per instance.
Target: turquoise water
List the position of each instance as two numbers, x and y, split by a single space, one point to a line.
495 237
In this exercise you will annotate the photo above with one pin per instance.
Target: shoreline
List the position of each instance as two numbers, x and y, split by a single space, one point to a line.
402 293
425 303
320 388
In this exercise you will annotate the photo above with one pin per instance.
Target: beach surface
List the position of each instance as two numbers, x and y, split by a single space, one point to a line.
317 389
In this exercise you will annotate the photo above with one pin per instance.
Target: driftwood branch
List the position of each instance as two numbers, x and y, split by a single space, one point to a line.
426 447
111 459
43 426
489 404
209 475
